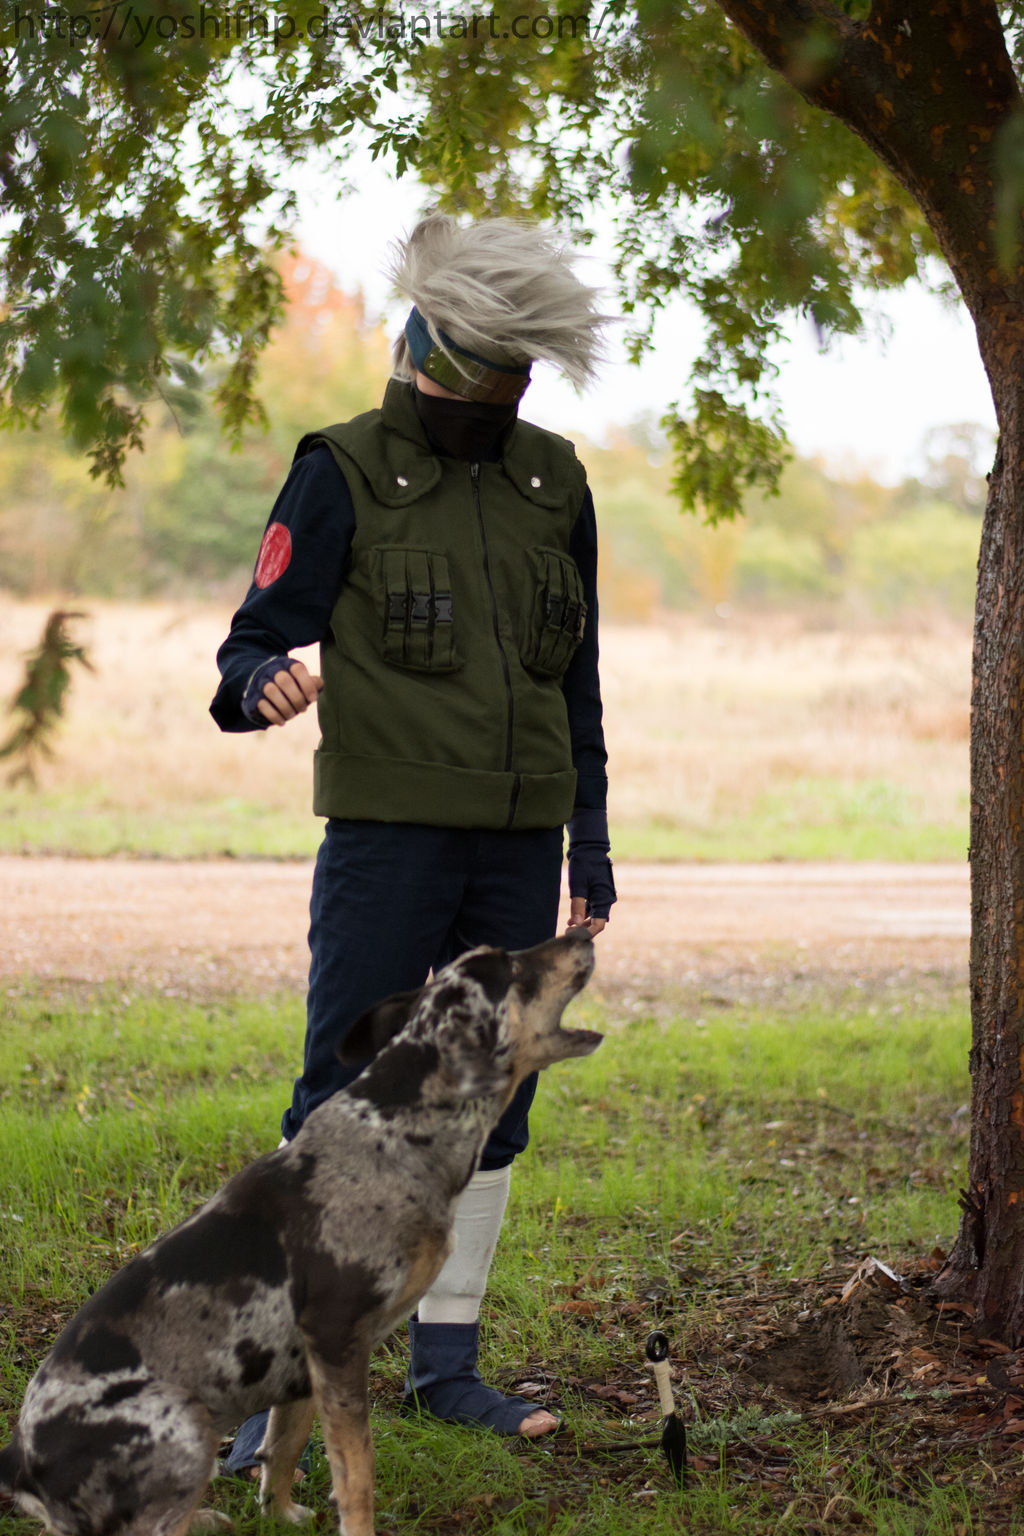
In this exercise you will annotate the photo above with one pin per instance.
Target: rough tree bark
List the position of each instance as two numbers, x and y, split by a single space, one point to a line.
929 85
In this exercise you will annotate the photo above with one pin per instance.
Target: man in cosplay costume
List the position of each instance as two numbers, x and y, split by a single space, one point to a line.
444 555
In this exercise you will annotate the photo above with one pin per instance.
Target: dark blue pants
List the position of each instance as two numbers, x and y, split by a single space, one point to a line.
393 901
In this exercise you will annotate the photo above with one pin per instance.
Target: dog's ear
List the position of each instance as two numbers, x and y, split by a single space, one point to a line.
374 1028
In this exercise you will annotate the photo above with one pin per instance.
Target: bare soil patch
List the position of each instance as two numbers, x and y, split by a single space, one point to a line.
679 933
893 1378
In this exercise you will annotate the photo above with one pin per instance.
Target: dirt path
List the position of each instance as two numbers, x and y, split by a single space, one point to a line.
203 928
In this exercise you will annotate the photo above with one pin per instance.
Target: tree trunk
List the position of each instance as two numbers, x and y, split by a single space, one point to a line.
929 85
987 1261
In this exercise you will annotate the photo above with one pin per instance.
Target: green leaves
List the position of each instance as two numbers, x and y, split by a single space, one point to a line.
724 189
39 703
144 158
720 452
145 186
1009 161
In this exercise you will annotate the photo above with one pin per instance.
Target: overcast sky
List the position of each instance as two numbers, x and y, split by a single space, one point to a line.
868 402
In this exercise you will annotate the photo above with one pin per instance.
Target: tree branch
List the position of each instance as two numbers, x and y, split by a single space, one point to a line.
805 40
927 84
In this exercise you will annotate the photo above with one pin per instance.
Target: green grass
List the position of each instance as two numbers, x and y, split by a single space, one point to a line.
117 1118
90 823
811 818
771 1138
715 1128
675 1175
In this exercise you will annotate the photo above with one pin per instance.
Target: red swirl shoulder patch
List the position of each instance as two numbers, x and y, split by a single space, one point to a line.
275 555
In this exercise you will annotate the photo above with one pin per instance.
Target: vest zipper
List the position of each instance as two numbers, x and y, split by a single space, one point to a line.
474 473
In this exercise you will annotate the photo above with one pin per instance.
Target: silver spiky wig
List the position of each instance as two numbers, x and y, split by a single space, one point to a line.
501 289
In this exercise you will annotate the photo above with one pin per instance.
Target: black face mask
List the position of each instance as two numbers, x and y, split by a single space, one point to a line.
463 429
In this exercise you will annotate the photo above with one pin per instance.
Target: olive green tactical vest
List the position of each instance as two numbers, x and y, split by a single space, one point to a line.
458 614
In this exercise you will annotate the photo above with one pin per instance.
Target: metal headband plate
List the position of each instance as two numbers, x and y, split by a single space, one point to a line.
472 379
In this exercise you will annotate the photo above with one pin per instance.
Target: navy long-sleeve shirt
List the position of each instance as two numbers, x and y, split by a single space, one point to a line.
294 609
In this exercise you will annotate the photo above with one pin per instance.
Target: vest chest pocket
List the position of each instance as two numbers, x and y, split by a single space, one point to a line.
557 613
415 597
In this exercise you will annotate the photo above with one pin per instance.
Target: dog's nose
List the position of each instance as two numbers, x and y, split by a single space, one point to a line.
583 948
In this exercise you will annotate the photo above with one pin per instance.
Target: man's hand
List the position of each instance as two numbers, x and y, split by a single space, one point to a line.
288 693
578 916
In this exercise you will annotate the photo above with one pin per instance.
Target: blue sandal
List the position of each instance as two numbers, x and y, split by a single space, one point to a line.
444 1381
242 1457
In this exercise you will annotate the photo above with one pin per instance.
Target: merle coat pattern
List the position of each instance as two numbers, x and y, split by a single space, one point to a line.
274 1294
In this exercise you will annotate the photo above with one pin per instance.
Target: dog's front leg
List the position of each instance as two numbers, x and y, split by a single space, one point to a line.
343 1401
287 1432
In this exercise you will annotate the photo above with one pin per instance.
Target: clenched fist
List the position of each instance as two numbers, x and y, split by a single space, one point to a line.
288 693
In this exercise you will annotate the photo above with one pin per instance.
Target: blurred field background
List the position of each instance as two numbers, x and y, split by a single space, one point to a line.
739 740
791 685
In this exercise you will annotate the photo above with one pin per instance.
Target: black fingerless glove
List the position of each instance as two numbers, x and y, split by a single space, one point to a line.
590 868
256 684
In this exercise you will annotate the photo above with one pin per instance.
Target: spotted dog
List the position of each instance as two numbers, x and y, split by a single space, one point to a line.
274 1293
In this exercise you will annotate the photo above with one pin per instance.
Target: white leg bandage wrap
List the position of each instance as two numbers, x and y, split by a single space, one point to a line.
456 1294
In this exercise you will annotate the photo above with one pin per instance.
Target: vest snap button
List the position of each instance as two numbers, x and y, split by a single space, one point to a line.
535 482
401 480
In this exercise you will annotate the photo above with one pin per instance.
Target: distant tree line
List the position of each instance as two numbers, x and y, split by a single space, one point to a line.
192 507
190 514
842 543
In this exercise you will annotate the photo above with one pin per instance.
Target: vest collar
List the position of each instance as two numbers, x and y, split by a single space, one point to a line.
409 468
